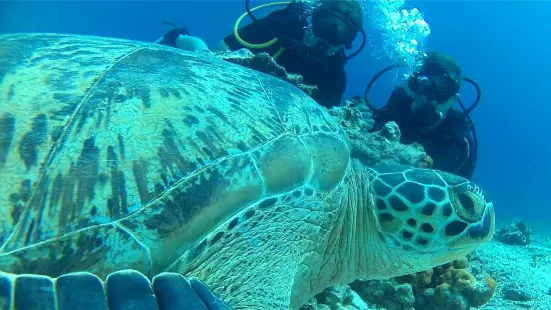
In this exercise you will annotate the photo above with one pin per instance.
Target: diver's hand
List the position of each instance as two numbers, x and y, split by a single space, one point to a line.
367 116
172 35
174 291
124 289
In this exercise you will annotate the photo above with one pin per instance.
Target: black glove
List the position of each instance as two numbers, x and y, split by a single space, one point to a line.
124 289
170 37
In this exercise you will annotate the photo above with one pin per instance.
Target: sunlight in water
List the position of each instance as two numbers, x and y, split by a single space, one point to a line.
403 31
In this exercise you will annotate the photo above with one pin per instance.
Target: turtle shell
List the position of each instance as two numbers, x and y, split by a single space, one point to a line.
119 154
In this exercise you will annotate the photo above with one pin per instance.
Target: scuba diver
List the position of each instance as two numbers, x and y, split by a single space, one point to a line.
423 110
317 53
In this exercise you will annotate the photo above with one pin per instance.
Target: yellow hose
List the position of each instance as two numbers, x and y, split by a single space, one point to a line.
251 45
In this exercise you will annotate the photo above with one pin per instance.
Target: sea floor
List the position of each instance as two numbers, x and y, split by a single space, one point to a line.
523 273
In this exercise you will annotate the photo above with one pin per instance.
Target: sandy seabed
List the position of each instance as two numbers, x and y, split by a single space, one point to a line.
526 269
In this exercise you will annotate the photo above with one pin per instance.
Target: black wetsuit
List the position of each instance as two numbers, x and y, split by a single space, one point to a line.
449 144
326 72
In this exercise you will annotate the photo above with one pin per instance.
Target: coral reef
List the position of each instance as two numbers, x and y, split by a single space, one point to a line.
515 233
385 293
336 297
351 116
357 103
382 146
264 63
451 286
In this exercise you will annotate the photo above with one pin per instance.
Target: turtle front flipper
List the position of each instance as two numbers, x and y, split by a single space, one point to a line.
125 289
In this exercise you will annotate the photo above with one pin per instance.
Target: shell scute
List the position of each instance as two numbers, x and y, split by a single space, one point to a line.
196 204
330 157
284 164
40 88
297 118
80 251
161 144
120 129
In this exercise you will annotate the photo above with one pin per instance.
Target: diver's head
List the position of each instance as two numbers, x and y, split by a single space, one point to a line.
335 25
434 88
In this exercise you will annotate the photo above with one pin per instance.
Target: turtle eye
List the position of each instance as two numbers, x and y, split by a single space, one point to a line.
469 205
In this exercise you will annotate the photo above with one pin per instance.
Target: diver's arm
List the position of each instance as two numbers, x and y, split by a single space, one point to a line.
398 104
331 89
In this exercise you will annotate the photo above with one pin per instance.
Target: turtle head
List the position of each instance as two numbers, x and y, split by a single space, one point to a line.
428 217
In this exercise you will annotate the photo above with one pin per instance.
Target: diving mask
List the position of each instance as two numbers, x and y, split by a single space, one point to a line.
330 32
320 44
438 88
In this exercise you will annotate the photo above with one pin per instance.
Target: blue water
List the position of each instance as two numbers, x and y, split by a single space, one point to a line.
504 45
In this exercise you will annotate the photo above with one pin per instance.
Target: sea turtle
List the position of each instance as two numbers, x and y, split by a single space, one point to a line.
117 154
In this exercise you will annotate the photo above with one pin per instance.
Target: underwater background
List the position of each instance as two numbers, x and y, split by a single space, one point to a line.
505 46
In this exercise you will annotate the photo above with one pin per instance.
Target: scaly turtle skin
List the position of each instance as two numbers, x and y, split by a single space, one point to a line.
117 154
